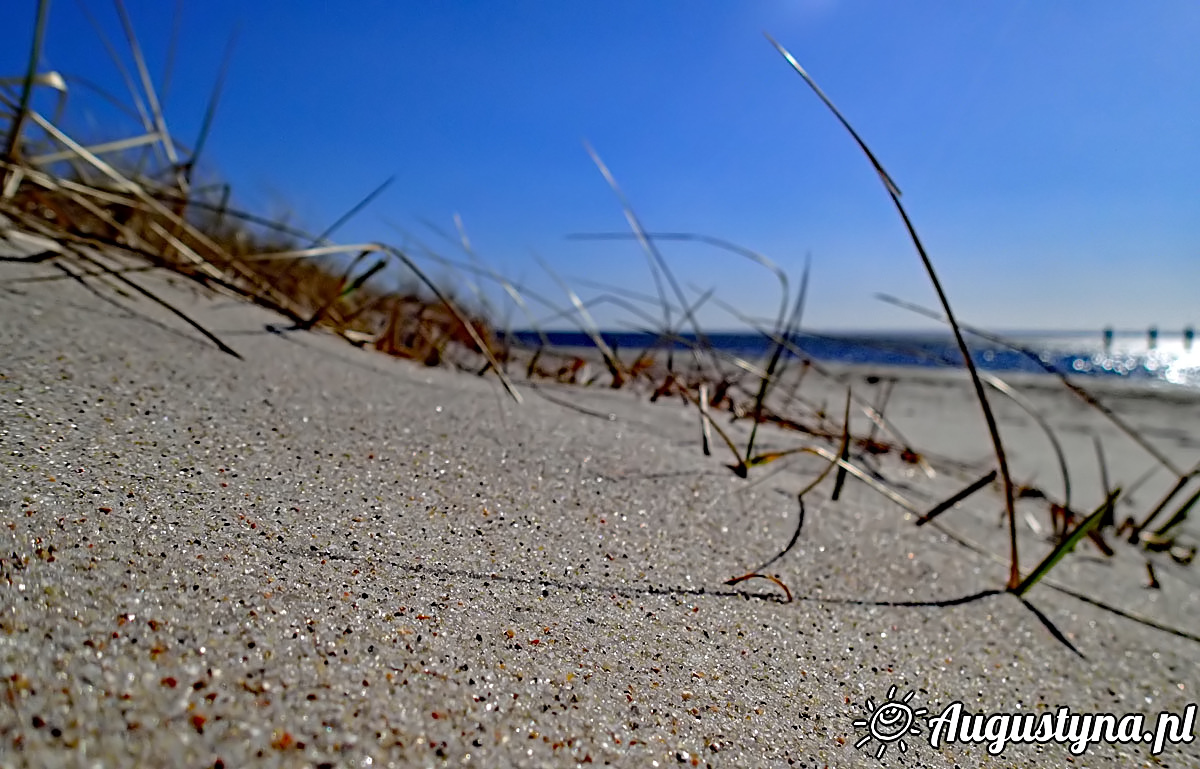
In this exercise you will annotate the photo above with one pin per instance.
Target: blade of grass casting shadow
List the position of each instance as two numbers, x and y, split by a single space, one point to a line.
1014 576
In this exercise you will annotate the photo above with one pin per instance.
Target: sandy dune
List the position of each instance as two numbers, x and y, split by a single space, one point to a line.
322 555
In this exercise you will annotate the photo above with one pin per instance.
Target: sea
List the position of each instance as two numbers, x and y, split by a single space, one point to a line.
1172 359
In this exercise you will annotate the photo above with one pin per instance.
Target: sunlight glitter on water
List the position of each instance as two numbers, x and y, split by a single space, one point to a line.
1171 363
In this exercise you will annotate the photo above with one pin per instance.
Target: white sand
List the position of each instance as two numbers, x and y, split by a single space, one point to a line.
323 555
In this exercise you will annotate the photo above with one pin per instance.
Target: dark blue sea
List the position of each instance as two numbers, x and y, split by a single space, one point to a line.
1169 358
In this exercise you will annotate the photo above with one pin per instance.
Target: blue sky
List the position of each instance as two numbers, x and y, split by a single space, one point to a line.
1047 151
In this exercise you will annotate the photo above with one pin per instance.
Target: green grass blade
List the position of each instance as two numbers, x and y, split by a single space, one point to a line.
1067 544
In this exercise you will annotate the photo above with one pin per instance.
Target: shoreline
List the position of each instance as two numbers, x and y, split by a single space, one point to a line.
916 351
1115 384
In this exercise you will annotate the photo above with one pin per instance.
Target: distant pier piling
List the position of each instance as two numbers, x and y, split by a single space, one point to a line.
1187 337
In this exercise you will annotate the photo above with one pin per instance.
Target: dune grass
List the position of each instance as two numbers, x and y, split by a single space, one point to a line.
118 207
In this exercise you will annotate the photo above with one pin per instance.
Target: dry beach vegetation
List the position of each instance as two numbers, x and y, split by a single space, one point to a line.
1093 505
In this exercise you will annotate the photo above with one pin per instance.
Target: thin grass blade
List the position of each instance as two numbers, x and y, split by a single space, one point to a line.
894 193
12 141
1068 544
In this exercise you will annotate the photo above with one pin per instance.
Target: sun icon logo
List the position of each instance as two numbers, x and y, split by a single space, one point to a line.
890 722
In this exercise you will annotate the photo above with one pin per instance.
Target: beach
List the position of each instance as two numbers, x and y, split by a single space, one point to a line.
319 555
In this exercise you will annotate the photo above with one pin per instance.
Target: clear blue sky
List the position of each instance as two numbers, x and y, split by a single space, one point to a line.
1048 152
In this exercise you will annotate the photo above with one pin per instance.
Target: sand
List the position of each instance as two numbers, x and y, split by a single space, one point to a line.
321 555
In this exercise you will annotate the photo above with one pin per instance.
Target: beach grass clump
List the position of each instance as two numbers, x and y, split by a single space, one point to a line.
136 197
